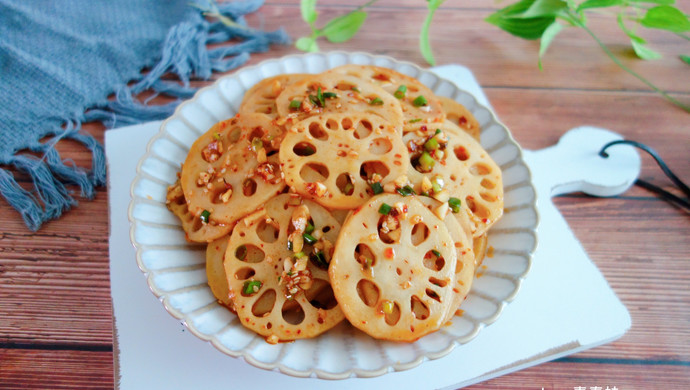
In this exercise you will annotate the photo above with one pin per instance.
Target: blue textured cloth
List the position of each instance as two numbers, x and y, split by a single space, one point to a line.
59 62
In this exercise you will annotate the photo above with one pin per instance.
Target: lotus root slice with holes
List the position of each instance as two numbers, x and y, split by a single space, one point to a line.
460 116
233 168
261 98
334 158
339 94
195 229
215 271
462 237
271 291
467 170
392 81
393 275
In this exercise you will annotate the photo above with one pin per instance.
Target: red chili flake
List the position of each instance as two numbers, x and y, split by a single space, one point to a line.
423 128
462 121
389 253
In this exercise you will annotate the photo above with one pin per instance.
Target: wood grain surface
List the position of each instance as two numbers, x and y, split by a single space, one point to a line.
55 306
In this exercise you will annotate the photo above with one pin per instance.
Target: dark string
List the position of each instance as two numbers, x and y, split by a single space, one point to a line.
669 197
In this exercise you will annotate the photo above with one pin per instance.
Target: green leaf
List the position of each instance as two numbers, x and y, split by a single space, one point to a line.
344 27
644 52
666 17
308 8
598 4
629 32
523 28
660 2
541 8
424 45
685 58
546 38
307 44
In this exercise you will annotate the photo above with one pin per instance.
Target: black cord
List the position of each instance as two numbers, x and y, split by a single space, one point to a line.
669 197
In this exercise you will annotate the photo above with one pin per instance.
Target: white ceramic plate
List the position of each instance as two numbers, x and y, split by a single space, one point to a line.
176 272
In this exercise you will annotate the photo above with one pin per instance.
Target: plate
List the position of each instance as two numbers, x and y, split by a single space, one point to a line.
175 269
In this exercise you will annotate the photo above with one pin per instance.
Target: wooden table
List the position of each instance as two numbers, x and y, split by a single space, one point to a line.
55 307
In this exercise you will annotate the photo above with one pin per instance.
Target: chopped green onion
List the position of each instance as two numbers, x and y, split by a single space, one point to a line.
251 287
377 188
348 189
299 255
205 216
415 120
308 238
406 191
436 253
454 204
319 95
420 101
355 89
376 102
400 92
309 229
431 144
314 100
387 307
319 259
438 131
295 104
384 209
426 162
330 95
257 143
368 262
437 184
216 136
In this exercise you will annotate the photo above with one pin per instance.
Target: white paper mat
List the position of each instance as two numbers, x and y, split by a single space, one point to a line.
564 306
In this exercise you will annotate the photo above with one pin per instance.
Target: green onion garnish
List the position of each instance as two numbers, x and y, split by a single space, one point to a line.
308 238
436 184
355 89
387 307
348 189
251 287
384 209
257 143
426 162
319 95
431 144
438 131
376 102
216 136
377 188
295 104
299 255
420 101
436 253
454 204
330 95
204 216
319 259
309 229
415 120
400 92
406 191
314 100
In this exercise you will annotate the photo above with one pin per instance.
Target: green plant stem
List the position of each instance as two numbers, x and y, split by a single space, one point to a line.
625 68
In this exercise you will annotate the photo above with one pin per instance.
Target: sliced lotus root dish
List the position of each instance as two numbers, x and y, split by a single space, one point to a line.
335 159
215 271
261 98
480 246
195 229
462 237
451 166
336 93
393 270
276 263
460 116
418 102
233 168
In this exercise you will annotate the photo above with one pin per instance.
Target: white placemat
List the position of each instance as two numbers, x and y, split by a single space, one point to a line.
565 305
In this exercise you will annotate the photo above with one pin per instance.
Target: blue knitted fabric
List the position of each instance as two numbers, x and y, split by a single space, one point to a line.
59 62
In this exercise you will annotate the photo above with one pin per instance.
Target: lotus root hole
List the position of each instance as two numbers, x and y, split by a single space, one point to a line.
317 131
419 233
234 135
380 146
244 273
257 132
364 256
478 209
267 232
387 233
363 129
480 169
304 149
368 292
320 295
264 304
292 312
345 184
346 123
488 197
313 172
433 295
393 317
433 261
248 187
488 184
461 153
368 168
249 253
418 308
